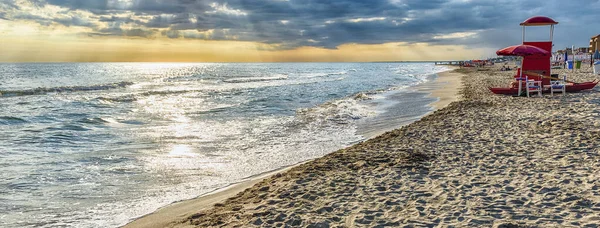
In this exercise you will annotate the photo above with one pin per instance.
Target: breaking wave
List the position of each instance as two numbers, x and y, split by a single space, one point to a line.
256 79
341 111
316 75
124 99
63 89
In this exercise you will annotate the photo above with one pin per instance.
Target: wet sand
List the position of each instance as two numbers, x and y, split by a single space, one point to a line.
445 88
447 92
172 215
409 107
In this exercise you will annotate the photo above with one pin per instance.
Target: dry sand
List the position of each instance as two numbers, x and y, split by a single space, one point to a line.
446 88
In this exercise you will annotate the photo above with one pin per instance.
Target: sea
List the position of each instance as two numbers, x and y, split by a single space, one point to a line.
100 144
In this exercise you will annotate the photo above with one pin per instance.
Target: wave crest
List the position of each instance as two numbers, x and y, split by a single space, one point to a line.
256 79
8 120
317 75
62 89
342 111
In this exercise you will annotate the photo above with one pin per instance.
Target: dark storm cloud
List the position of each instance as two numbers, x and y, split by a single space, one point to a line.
117 31
293 23
107 6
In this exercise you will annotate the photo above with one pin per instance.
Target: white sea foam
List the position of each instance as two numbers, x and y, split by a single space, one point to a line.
317 75
256 79
342 111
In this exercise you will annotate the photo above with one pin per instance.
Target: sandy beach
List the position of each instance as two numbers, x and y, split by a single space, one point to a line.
289 113
483 161
445 88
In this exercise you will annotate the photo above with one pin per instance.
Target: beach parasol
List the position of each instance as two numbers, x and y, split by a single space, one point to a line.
597 54
522 50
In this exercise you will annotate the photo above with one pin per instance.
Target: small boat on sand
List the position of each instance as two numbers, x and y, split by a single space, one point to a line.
570 87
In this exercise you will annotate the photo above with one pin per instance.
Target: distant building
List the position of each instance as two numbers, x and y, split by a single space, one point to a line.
582 50
595 43
570 51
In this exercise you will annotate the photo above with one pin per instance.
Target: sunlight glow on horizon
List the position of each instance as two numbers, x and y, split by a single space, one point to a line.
29 42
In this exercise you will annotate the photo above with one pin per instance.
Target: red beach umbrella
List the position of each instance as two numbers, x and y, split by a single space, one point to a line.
522 50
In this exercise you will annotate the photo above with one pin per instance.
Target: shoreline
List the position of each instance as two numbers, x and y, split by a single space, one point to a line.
170 215
449 84
484 161
445 87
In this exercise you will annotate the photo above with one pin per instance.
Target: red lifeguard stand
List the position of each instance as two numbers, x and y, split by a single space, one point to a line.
537 67
537 64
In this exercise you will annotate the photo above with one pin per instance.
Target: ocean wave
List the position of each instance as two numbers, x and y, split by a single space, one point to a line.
93 121
317 75
401 71
217 109
186 78
124 99
11 120
342 111
167 92
62 89
67 127
363 96
417 78
233 86
256 79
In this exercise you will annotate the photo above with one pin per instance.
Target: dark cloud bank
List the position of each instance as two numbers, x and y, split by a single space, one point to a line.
321 23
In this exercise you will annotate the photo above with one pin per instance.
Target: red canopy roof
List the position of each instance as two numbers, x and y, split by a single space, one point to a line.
522 50
538 21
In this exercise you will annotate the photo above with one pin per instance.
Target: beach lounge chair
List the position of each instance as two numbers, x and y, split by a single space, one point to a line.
533 86
558 85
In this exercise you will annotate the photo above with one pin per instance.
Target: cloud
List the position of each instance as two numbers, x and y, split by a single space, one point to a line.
224 9
118 31
110 6
317 23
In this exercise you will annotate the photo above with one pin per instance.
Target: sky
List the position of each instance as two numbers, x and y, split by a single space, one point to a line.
281 30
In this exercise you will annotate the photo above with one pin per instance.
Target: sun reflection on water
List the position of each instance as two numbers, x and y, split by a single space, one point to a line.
182 151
